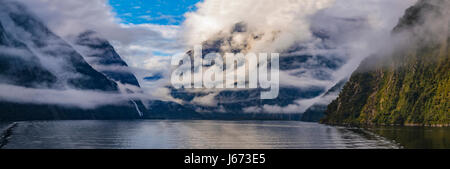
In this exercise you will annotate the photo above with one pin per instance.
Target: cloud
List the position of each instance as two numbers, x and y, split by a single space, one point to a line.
85 99
431 25
357 29
69 18
135 43
73 17
354 29
15 52
279 22
42 48
289 109
207 100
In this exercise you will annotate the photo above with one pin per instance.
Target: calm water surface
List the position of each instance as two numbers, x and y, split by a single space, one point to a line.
157 134
416 137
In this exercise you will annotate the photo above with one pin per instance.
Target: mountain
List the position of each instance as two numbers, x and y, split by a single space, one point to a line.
246 104
317 110
101 55
411 87
33 58
171 110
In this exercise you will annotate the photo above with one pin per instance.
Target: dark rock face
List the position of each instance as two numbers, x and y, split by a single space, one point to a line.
22 112
314 113
101 53
409 88
171 110
414 15
21 71
103 57
32 56
23 28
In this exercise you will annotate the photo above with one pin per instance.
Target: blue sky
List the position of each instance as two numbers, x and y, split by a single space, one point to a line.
161 12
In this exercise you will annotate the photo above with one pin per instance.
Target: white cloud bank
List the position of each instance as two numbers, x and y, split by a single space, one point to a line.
279 22
85 99
357 29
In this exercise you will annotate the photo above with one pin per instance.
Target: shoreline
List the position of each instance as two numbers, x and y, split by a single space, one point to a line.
206 119
387 125
4 136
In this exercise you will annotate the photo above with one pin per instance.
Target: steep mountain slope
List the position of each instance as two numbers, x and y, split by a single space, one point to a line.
101 55
35 58
412 87
21 31
317 110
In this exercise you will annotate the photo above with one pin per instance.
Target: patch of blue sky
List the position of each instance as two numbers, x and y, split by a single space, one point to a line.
160 53
160 12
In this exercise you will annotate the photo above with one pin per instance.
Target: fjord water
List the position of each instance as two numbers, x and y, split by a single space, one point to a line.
161 134
416 137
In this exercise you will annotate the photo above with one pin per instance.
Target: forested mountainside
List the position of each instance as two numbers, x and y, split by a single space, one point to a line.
411 87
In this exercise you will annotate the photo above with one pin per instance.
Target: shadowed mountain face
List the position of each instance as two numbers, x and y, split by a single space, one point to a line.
170 110
24 38
102 56
411 87
21 71
34 57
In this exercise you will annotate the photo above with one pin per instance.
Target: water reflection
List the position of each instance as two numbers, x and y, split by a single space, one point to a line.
190 134
417 137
